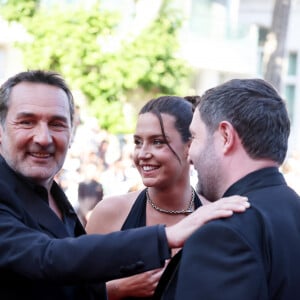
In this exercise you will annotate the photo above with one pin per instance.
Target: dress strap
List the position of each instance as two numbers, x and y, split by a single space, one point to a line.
137 214
197 201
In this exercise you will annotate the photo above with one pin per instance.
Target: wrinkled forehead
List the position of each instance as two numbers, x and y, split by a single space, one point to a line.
38 97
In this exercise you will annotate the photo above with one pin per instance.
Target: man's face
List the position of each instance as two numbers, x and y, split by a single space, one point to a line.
35 136
203 156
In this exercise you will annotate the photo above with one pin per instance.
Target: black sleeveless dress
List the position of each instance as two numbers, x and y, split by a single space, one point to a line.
137 218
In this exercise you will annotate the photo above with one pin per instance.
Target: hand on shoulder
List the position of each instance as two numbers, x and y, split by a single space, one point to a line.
223 208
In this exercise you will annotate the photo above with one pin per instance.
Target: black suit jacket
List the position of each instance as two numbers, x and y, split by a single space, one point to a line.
251 256
41 259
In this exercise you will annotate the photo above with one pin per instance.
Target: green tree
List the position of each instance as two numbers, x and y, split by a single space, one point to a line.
73 40
15 10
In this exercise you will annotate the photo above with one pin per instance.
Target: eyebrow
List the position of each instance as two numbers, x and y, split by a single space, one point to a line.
30 115
152 136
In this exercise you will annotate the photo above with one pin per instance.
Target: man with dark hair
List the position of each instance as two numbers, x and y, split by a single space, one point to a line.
240 133
45 253
90 192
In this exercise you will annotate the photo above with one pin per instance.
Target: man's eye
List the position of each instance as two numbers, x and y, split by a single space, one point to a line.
57 124
25 122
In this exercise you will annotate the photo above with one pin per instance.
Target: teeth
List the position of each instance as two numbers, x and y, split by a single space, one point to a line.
41 154
148 168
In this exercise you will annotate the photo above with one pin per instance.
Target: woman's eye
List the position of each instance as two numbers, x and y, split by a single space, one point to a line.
158 142
137 142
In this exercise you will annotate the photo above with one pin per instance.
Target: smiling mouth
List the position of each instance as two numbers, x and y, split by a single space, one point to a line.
149 168
40 155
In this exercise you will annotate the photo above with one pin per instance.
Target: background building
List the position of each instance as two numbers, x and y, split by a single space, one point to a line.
224 39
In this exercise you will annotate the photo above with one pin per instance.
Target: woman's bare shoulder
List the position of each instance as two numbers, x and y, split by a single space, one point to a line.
109 204
110 213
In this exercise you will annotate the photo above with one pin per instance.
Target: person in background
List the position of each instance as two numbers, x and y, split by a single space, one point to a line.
240 133
162 141
89 194
194 99
45 253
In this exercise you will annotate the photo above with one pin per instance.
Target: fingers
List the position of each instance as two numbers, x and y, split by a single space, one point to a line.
151 277
233 204
223 208
233 199
141 285
151 281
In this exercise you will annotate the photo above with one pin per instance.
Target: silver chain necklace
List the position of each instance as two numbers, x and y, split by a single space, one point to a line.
188 210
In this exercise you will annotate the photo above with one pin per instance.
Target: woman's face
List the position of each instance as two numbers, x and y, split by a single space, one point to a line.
155 161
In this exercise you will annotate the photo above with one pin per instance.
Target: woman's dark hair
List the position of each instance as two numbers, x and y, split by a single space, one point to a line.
180 108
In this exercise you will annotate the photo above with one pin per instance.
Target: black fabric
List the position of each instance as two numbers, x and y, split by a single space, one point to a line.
166 287
40 259
252 255
137 215
137 218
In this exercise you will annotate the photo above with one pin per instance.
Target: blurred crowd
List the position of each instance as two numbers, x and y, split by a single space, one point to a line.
291 171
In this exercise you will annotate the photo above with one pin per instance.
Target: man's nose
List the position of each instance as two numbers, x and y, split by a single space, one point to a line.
42 135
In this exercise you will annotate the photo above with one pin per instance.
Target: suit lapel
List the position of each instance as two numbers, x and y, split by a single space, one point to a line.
40 211
166 287
35 210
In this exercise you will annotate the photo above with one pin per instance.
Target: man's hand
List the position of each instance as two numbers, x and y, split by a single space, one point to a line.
223 208
141 285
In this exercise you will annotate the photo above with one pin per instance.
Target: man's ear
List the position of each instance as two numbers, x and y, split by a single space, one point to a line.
228 135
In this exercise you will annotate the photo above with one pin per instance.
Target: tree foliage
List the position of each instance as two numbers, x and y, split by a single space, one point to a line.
15 10
74 40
